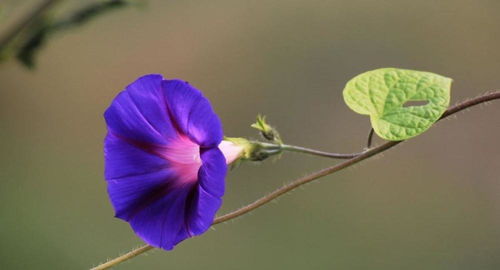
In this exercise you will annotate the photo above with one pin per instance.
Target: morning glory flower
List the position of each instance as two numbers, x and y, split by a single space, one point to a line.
165 161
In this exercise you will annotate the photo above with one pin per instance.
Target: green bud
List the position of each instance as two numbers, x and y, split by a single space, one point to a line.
267 131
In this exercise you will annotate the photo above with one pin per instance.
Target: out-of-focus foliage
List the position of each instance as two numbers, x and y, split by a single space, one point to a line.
43 27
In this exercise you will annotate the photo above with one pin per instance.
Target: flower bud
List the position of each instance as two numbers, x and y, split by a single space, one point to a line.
267 131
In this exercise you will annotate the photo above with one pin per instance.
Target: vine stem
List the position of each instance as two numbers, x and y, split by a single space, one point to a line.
124 257
370 138
309 178
300 149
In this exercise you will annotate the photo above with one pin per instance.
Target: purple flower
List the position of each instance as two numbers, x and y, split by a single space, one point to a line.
164 169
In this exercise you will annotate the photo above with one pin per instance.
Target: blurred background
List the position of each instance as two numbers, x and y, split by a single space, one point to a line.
430 203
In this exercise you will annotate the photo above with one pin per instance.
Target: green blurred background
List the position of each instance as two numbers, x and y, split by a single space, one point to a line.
430 203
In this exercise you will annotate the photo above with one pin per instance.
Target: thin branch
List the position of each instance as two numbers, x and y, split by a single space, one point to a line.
369 153
301 181
25 22
124 257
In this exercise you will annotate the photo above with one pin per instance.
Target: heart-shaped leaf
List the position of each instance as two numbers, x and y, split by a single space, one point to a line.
387 94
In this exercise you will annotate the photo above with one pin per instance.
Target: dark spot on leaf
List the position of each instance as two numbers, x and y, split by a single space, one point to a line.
411 103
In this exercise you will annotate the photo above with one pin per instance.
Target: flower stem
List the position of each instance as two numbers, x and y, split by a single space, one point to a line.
298 182
300 149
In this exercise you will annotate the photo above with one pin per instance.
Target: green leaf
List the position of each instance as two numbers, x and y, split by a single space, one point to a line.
387 94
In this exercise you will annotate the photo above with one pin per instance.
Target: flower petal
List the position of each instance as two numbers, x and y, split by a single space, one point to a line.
123 158
144 191
130 195
145 121
208 196
140 112
192 113
162 223
134 175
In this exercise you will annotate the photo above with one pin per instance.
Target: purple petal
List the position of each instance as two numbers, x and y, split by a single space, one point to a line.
169 214
184 211
144 191
161 202
124 159
132 194
208 196
134 176
162 223
140 113
192 113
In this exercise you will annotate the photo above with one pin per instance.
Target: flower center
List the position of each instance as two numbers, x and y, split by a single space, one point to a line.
184 157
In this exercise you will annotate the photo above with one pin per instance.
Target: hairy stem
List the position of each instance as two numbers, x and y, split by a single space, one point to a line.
309 178
124 257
